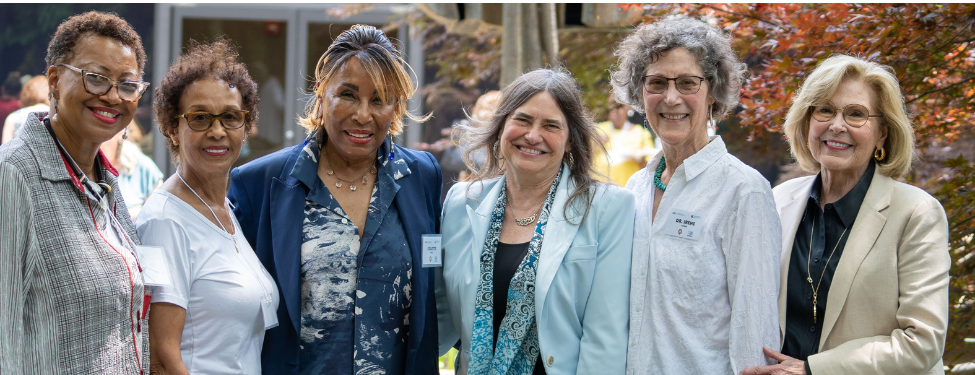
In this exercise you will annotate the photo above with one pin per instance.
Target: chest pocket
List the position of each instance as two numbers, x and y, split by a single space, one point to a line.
580 253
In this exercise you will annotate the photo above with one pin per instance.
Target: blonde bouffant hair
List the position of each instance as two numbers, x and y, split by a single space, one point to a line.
382 62
823 82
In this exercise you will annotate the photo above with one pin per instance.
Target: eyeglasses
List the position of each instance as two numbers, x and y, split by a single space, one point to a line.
201 121
97 84
686 85
854 114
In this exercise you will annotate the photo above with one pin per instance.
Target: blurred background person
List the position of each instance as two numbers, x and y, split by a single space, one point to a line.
212 318
865 262
71 287
535 276
34 97
9 96
138 174
704 261
338 221
628 146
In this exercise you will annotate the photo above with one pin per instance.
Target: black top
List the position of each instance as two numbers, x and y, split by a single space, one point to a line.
802 334
506 261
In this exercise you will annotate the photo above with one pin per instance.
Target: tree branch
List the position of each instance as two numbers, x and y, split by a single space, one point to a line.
924 94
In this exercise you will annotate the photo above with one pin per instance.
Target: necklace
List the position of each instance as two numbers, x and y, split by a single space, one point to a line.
232 237
660 171
527 220
825 265
352 182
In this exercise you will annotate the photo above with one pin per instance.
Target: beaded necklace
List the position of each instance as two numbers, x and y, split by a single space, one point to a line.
660 171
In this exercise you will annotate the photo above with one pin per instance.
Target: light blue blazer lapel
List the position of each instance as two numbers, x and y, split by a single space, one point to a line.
287 216
866 229
559 234
790 213
480 220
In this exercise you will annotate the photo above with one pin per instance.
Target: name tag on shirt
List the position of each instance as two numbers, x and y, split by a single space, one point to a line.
432 250
269 312
155 270
684 224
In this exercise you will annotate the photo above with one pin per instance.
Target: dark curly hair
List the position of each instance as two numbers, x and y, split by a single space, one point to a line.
201 60
109 25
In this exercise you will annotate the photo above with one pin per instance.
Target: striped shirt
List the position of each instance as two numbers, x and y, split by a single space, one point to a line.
69 302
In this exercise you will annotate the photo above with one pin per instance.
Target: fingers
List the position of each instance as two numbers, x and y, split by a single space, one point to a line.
758 370
776 355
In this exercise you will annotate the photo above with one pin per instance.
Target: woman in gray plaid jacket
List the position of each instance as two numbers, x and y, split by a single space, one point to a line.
72 298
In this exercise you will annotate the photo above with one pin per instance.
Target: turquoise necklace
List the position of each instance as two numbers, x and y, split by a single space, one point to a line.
660 171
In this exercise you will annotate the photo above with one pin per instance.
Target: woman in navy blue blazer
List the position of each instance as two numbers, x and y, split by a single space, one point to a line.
338 222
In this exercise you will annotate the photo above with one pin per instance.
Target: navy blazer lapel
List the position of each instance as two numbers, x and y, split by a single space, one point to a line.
287 214
408 201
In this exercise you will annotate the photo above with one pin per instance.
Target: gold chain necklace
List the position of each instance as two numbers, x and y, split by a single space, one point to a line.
527 220
825 265
352 182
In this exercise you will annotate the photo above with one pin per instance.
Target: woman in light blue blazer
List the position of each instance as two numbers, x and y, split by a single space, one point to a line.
536 267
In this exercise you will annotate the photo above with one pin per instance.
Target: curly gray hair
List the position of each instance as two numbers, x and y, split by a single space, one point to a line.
708 44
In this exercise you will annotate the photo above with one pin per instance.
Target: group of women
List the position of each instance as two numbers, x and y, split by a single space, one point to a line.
335 256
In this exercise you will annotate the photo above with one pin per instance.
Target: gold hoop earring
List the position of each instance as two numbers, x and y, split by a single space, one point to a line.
879 154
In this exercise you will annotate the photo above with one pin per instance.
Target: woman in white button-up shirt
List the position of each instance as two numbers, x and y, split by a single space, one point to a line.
707 238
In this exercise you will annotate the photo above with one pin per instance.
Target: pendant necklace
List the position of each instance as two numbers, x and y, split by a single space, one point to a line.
232 237
815 288
527 220
339 181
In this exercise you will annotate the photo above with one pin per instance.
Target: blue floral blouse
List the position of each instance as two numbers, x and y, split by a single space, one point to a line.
355 296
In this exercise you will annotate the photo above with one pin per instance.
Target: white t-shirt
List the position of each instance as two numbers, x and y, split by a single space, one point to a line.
222 290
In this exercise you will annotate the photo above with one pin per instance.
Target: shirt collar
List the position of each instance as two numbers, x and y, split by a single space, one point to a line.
701 160
306 167
848 206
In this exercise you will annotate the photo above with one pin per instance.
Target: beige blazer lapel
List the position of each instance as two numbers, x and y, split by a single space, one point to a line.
790 207
866 229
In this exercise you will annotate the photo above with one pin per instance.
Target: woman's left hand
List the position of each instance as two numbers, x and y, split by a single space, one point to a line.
787 365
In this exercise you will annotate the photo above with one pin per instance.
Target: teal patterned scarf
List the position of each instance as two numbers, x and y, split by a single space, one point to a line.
517 345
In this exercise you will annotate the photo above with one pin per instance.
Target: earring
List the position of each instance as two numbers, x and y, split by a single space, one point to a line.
392 153
125 134
879 154
711 115
498 156
646 125
570 160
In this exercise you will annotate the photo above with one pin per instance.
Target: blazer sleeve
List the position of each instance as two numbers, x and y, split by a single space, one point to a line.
446 331
17 237
752 245
605 325
922 314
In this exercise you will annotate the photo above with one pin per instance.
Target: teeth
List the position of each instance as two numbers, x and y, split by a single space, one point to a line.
106 114
530 151
215 151
834 144
359 135
673 117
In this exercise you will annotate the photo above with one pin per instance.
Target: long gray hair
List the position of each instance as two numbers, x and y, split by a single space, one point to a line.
481 136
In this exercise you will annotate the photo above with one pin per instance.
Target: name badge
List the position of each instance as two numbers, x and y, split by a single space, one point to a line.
432 254
155 270
684 224
270 313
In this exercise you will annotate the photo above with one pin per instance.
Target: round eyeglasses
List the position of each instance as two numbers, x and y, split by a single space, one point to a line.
855 115
686 85
202 121
97 84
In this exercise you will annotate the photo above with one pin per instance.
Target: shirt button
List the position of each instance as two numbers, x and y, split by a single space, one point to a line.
812 328
550 361
815 260
808 295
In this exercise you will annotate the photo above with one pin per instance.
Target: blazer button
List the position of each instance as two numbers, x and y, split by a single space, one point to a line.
550 361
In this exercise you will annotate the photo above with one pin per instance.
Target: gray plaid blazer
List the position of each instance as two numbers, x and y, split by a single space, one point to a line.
69 302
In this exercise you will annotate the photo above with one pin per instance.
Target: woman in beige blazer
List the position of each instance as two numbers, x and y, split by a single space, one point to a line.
864 272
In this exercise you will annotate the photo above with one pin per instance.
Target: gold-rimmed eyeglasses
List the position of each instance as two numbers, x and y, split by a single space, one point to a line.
687 85
98 84
855 115
201 121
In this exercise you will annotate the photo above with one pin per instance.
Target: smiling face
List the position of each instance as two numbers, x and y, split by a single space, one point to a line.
88 117
677 118
839 147
214 150
356 119
535 137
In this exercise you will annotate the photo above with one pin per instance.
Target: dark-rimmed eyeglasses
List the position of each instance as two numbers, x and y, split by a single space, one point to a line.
202 121
686 85
855 115
97 84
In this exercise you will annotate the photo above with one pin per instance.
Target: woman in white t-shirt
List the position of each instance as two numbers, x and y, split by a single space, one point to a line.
209 315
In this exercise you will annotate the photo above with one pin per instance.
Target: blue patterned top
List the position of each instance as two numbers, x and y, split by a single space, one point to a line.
355 296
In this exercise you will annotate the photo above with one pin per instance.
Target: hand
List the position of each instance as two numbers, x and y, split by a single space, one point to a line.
787 365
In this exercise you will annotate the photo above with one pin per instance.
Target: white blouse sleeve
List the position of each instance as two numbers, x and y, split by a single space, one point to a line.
752 244
171 236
